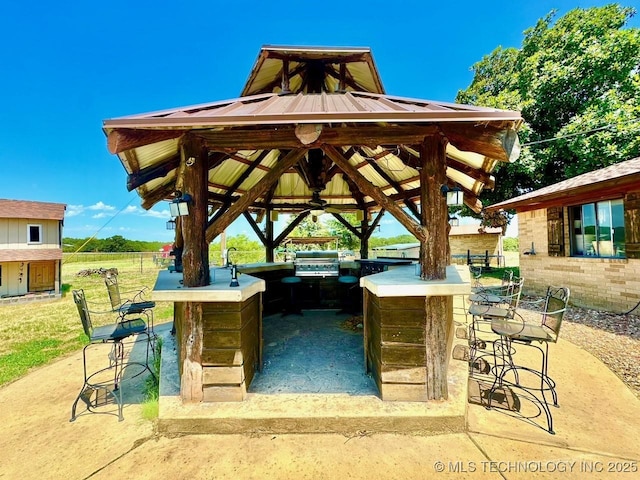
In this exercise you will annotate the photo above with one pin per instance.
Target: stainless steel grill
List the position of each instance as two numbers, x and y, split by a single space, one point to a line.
318 263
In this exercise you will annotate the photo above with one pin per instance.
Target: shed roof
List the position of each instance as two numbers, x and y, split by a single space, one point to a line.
31 210
612 180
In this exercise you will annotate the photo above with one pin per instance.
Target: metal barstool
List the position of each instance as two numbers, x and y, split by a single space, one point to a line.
349 281
292 307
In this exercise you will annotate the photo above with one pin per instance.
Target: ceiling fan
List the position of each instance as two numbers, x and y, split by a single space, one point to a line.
317 206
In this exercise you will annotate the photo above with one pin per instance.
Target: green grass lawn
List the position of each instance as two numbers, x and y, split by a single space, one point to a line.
35 333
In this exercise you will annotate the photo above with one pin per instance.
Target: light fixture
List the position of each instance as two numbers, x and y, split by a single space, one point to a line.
316 212
171 224
273 216
454 195
359 215
454 221
179 207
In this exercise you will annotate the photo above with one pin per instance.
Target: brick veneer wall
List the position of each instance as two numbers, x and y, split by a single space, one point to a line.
599 283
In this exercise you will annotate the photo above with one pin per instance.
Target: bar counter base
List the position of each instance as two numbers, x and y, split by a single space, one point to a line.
307 413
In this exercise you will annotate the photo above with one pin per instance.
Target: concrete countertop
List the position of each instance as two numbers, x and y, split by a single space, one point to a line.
264 267
268 267
169 289
403 282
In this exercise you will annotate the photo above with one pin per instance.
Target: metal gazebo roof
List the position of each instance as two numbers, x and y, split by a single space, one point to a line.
313 97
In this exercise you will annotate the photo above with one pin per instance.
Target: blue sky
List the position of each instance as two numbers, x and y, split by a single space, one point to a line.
68 65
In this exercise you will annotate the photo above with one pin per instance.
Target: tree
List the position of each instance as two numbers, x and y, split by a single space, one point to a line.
577 83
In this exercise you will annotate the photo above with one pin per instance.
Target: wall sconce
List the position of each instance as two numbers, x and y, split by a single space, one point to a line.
171 224
179 207
454 221
273 216
359 215
454 195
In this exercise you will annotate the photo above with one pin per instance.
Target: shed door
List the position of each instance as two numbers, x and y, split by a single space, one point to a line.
41 276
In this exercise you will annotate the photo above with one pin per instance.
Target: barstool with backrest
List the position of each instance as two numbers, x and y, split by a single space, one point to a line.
108 378
517 330
292 307
348 282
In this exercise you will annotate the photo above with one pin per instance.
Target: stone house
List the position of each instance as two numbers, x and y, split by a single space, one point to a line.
584 233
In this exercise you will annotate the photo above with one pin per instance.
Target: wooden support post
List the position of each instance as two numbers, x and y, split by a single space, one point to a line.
434 213
195 257
191 351
433 262
195 264
364 239
269 236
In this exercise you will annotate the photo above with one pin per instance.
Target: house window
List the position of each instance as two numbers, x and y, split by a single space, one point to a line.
598 229
34 233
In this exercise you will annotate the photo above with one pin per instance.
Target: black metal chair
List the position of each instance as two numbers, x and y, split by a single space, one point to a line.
129 302
516 330
106 380
484 308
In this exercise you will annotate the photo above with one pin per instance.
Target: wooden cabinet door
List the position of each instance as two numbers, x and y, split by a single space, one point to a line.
41 276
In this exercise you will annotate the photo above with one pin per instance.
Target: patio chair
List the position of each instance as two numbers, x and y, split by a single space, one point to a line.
106 380
507 280
484 308
516 330
130 302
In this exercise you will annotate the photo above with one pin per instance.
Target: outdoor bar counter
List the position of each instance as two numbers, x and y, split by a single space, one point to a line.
232 328
394 327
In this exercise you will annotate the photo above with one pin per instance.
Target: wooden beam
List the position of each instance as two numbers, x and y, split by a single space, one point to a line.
410 205
135 180
257 191
289 228
122 139
285 137
375 223
255 227
374 192
347 225
499 142
163 192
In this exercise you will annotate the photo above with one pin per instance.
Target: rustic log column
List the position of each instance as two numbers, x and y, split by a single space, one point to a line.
434 212
433 261
364 238
195 263
269 236
195 258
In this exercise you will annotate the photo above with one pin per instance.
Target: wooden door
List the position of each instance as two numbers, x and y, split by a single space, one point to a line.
41 276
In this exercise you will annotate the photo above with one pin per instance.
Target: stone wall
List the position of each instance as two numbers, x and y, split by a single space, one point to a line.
611 284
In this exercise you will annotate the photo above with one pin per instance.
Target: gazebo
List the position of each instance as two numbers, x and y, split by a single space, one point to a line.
314 129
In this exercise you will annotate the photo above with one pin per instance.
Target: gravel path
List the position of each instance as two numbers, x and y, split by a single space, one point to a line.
613 338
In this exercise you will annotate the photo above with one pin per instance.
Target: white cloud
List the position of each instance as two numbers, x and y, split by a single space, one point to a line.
131 209
100 215
73 210
101 206
157 214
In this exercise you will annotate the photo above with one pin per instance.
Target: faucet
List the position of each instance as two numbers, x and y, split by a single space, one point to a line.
227 261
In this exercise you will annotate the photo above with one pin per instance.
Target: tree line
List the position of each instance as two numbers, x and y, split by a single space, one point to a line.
117 243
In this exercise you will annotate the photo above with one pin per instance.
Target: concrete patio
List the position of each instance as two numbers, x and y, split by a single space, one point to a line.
596 425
